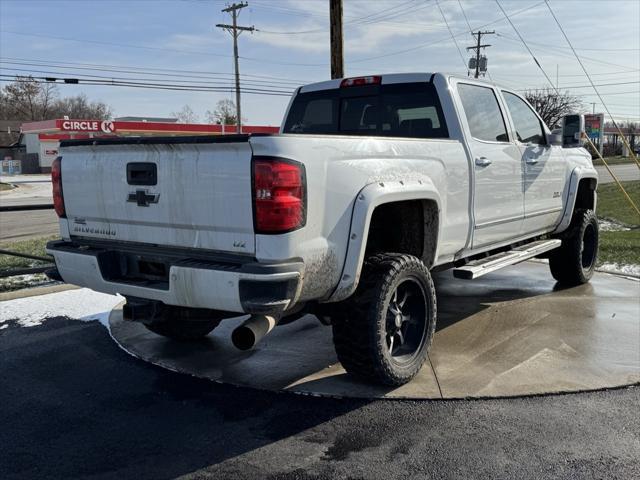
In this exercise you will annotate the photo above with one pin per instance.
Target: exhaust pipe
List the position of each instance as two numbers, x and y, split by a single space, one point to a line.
247 335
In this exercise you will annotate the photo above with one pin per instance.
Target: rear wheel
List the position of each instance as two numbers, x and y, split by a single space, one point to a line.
387 326
575 261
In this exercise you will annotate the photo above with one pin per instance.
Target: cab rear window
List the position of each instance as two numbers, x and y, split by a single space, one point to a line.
399 110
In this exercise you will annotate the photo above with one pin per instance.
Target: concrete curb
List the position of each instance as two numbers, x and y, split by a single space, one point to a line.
36 291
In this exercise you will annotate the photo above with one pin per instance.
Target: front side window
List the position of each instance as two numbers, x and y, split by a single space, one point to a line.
483 113
409 110
527 124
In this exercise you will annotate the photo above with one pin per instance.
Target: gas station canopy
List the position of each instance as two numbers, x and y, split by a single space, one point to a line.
81 128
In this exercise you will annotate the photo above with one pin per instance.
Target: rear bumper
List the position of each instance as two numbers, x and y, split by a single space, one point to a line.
230 283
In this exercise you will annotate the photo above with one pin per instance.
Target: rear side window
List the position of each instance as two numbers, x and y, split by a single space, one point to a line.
399 110
483 113
318 112
527 124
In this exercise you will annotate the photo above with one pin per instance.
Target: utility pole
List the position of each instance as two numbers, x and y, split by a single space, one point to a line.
593 107
335 19
478 46
235 30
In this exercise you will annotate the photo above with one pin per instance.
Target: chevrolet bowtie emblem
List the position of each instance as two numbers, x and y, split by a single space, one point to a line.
142 198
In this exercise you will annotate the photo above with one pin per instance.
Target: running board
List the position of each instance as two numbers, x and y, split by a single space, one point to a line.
477 268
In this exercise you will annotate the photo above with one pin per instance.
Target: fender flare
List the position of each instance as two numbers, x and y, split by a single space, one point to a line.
370 197
577 175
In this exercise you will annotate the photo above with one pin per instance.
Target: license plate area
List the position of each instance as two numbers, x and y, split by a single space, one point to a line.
142 270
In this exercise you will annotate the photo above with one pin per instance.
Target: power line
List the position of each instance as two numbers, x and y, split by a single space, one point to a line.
387 18
524 43
171 76
465 16
622 72
568 55
107 67
357 21
623 138
436 42
464 63
378 13
607 94
155 86
547 45
172 81
592 85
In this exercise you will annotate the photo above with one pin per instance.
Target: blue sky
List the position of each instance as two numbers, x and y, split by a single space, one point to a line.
162 41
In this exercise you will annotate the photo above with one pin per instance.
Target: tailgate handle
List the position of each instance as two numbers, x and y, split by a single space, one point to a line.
139 173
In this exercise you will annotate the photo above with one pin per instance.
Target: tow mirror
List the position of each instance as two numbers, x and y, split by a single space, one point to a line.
573 130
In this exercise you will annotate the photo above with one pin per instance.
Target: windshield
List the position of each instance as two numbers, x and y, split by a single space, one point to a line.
398 110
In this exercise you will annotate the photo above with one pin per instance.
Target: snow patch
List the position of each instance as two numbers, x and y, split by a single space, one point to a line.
83 304
620 268
609 226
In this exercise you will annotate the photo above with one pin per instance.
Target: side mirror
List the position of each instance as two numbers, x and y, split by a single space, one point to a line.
573 128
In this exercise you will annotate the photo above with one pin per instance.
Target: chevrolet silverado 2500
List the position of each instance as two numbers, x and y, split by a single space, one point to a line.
371 184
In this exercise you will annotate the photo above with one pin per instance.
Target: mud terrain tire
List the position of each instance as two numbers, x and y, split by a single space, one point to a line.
574 262
386 328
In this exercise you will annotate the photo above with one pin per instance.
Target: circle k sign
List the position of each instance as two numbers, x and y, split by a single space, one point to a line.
104 126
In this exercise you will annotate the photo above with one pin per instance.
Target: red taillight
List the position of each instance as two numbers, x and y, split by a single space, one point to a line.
56 180
279 196
360 81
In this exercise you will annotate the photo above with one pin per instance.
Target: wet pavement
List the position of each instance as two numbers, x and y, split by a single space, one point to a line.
510 333
74 405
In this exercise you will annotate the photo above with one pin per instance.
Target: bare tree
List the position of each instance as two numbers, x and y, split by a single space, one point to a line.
27 99
186 115
80 107
224 114
31 100
552 106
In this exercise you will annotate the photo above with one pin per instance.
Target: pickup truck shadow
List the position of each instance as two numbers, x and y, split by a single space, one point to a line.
461 299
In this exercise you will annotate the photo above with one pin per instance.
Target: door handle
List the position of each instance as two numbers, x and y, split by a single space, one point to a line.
483 161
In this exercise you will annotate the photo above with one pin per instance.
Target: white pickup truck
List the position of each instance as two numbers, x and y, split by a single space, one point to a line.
371 184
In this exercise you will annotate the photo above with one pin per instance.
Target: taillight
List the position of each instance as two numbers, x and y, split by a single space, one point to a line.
56 180
279 195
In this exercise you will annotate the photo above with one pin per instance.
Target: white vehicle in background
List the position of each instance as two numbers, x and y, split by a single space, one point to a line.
372 184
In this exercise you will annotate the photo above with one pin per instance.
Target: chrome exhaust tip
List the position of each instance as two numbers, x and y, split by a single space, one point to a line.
247 335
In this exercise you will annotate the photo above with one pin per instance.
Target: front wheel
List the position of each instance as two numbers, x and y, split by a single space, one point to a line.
575 261
387 326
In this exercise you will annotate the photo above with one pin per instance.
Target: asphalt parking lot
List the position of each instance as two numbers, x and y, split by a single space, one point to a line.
76 406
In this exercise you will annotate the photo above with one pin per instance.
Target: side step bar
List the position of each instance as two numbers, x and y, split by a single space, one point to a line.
477 268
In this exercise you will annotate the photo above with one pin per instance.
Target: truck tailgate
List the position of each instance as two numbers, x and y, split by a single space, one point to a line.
173 192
